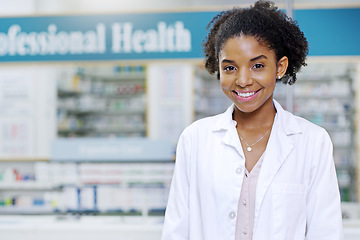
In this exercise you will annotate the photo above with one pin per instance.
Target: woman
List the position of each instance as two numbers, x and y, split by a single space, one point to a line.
256 171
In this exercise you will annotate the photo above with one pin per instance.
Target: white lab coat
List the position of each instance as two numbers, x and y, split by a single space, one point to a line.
297 194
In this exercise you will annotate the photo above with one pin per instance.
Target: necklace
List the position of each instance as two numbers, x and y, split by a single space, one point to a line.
249 146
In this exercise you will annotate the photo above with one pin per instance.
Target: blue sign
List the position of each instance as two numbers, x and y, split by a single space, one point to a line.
153 35
102 37
331 32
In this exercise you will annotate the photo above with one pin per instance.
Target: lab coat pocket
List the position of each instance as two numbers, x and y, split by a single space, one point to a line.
289 211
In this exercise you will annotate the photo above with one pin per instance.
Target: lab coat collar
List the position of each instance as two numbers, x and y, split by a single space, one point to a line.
226 124
287 121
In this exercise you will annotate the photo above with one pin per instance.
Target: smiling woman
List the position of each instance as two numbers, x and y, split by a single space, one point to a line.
256 171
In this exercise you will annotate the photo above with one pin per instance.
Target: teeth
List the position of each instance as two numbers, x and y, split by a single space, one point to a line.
248 94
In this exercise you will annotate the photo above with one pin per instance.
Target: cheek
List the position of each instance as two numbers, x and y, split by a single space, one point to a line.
270 82
225 83
273 84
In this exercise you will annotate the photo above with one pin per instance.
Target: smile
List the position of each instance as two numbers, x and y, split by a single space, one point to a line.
246 96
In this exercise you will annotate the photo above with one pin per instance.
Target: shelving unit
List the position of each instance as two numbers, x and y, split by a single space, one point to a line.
102 102
209 98
100 188
107 104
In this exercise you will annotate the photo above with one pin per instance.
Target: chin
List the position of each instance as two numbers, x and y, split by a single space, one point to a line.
247 109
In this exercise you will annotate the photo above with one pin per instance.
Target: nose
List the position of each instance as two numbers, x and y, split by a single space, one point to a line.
243 79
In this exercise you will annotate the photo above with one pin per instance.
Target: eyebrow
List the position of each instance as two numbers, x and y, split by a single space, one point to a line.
251 60
257 58
227 61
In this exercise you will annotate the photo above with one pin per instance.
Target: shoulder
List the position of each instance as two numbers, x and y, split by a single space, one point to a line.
312 143
303 132
203 129
310 129
222 121
298 126
311 135
202 125
195 136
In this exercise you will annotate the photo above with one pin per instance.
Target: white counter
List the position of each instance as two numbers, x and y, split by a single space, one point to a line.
87 228
99 228
352 229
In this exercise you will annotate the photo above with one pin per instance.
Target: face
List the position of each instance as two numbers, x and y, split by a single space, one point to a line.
248 72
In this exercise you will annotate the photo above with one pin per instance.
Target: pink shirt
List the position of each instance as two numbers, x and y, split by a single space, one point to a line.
246 205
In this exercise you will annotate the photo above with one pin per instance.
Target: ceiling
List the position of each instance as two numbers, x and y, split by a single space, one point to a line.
30 7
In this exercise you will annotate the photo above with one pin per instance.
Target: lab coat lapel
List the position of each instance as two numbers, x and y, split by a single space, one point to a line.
231 138
228 125
278 149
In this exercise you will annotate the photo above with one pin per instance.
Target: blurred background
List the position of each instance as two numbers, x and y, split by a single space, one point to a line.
94 95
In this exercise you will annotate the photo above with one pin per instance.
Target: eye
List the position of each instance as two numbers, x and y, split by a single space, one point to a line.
258 66
229 68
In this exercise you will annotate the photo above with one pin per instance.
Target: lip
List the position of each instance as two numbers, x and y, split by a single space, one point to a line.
252 95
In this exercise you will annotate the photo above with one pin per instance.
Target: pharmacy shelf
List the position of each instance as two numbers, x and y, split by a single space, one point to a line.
325 114
109 76
27 185
329 101
94 97
23 159
315 79
137 129
63 93
322 97
103 112
10 210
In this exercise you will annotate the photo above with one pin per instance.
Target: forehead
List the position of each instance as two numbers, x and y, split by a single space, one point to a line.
245 46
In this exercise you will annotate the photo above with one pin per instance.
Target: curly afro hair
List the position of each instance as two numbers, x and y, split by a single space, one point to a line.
268 25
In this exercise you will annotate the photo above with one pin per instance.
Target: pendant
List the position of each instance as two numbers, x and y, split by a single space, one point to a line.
249 149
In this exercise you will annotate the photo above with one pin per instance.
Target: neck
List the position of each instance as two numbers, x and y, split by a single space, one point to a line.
260 118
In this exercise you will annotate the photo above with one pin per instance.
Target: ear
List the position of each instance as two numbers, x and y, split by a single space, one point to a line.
282 66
